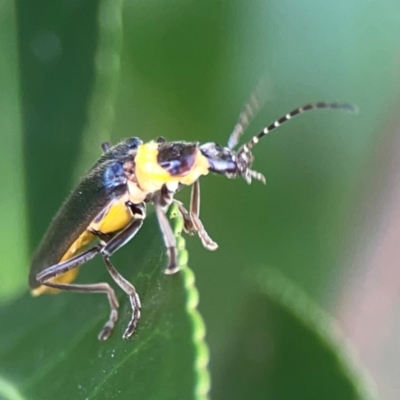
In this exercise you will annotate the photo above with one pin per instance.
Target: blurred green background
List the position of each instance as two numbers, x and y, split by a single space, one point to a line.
184 69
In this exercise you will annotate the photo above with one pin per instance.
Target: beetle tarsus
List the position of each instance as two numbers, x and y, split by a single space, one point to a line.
131 328
172 268
207 242
109 326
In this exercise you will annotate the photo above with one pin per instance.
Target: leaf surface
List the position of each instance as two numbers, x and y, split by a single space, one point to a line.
49 349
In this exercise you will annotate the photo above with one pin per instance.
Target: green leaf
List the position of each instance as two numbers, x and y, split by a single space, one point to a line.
13 242
49 349
286 347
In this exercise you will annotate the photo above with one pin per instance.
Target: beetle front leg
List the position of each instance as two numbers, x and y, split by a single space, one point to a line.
207 242
188 226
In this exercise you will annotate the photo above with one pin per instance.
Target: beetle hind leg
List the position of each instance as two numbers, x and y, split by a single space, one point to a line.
130 290
95 288
105 333
138 213
46 275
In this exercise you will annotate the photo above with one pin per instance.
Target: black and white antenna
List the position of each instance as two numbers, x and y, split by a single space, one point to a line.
297 111
253 105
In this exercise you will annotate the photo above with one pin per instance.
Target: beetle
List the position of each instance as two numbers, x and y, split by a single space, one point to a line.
108 206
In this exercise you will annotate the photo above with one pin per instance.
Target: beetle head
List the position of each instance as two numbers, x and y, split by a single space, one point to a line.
225 161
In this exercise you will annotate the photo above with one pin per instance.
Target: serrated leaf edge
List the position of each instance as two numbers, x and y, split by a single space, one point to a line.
203 380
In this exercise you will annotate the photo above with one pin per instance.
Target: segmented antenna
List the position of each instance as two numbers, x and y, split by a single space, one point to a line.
254 103
308 107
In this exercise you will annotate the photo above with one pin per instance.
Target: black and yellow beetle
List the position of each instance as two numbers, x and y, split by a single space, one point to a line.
108 207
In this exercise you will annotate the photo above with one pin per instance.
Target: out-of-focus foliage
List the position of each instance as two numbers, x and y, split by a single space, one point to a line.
286 347
76 72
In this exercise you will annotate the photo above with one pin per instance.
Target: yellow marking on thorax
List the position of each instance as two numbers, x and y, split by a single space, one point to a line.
136 194
151 176
115 219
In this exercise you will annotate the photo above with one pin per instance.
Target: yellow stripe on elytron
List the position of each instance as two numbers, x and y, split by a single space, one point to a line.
117 217
83 240
151 176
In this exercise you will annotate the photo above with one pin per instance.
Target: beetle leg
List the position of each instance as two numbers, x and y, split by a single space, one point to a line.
119 240
188 226
192 222
130 290
59 269
95 288
103 237
166 196
123 237
65 266
208 243
169 239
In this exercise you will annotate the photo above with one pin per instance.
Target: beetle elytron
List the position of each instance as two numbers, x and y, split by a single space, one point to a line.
108 207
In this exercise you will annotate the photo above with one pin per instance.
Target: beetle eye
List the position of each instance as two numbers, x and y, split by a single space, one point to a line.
211 149
161 139
220 158
174 167
133 142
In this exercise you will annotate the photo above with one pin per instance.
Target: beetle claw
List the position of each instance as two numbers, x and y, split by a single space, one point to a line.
109 326
104 333
173 268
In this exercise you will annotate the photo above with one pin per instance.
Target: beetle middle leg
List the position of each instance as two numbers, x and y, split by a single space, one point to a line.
169 239
56 270
115 243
